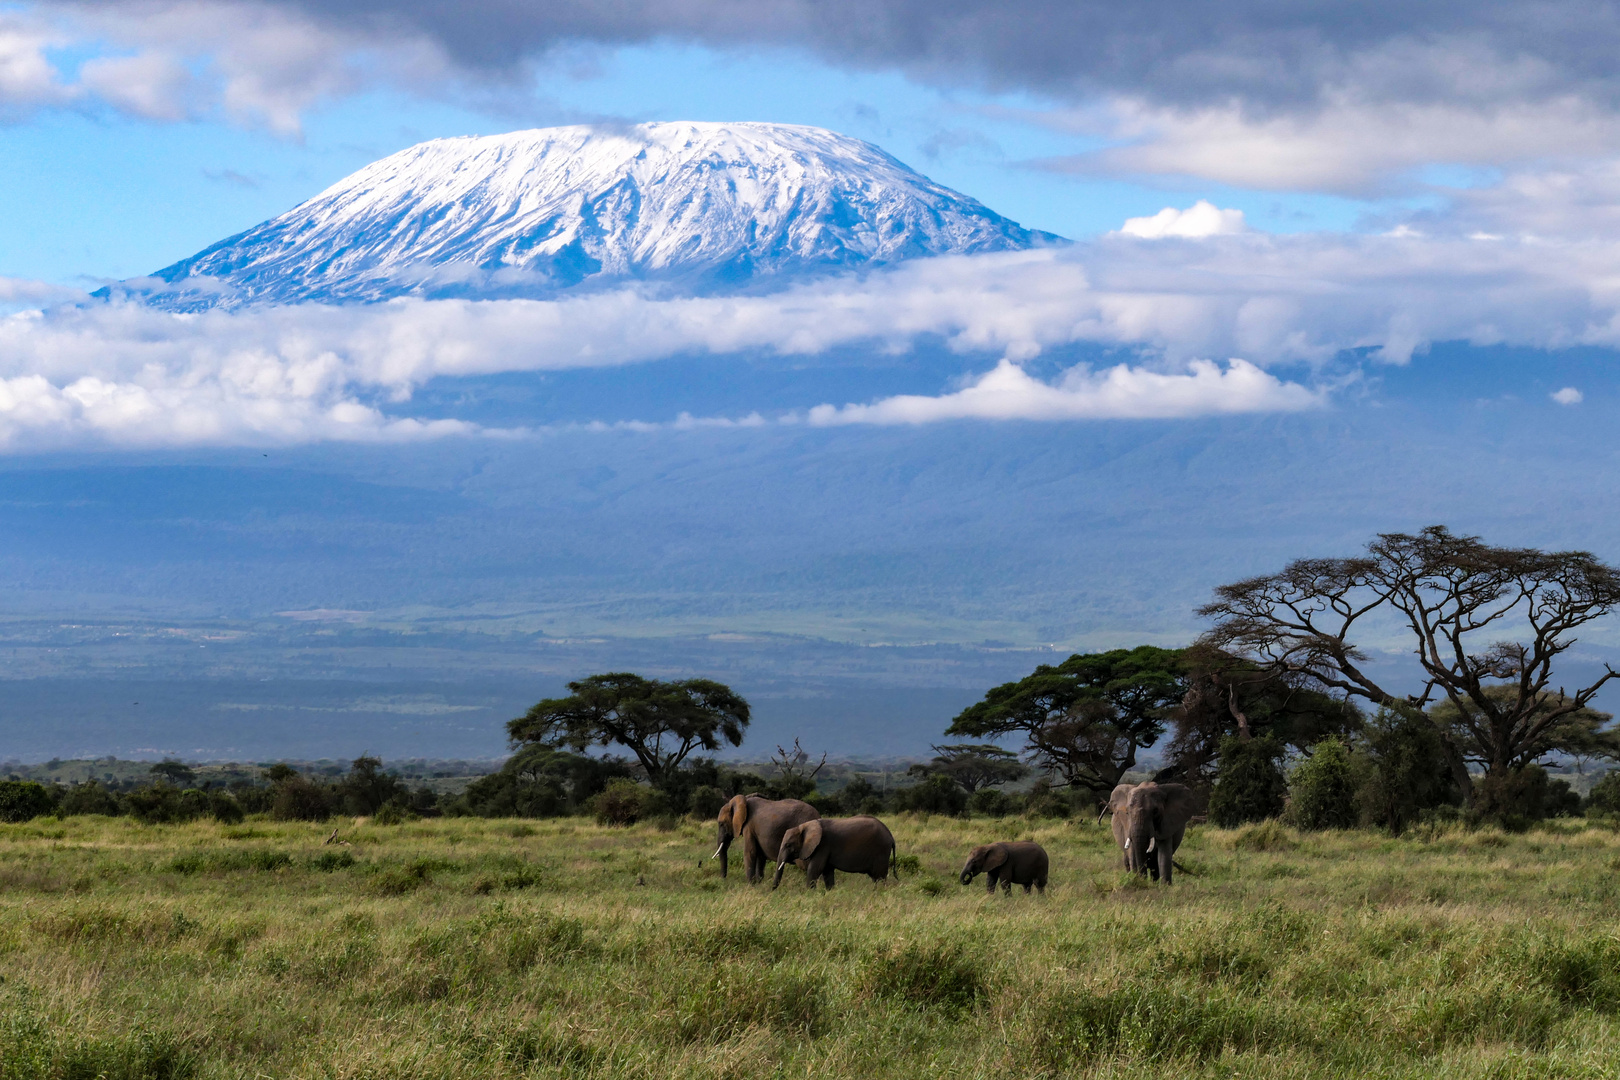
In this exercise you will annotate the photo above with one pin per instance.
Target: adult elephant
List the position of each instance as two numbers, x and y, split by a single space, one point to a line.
1116 806
857 845
1156 817
760 823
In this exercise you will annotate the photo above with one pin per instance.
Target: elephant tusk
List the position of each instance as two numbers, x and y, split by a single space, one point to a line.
717 851
1127 843
1151 842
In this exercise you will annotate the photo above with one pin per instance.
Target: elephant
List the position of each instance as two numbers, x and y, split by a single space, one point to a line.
1012 864
760 822
857 845
1156 816
1116 806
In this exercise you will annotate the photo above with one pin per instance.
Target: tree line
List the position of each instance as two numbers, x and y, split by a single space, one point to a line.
1277 709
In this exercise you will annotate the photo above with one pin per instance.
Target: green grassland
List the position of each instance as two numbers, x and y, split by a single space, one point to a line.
474 948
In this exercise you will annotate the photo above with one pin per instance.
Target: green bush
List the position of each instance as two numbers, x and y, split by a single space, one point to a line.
88 798
992 802
160 804
1043 802
938 794
22 800
1249 784
225 809
705 801
1322 788
1519 797
295 798
392 814
1405 774
1604 798
625 802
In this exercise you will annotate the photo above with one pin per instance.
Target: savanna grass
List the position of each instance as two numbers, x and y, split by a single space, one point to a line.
471 948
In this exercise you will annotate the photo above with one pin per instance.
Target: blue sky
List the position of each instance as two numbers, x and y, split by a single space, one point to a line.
1393 308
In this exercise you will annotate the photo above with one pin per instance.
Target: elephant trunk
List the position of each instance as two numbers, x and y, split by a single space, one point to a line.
723 853
967 878
1137 847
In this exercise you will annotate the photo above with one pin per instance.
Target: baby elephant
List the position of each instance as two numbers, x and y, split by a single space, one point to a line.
1011 864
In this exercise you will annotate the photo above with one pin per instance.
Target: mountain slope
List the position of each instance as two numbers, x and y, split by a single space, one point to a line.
532 212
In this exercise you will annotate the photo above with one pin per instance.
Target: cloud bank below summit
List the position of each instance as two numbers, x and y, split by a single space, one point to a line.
121 374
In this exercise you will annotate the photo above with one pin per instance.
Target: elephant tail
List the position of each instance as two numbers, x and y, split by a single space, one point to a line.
894 859
1183 869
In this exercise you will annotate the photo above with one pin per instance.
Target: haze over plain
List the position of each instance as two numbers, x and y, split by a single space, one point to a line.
1379 299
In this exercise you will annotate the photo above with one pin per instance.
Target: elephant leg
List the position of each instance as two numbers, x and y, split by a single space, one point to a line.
990 882
827 877
1165 862
1026 888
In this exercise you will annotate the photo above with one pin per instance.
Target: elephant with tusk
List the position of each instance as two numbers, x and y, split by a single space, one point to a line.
760 823
857 845
1153 821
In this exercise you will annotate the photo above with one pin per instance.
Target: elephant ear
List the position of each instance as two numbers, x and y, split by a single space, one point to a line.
996 857
735 813
1120 797
1178 801
811 831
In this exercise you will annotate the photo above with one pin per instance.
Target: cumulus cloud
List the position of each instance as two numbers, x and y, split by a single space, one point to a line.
123 374
1568 396
1010 393
1202 218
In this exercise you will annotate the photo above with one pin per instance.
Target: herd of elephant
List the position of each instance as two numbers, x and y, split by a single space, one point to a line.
1149 821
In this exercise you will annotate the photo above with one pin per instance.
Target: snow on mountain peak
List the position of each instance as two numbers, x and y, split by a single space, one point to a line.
532 212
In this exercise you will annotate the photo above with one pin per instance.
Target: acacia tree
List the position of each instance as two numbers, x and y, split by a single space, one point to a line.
661 723
1231 697
973 765
1452 593
1086 718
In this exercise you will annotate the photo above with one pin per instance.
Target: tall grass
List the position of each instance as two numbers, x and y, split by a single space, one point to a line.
471 948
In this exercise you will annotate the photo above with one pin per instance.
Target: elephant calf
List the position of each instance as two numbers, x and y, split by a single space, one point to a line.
857 845
1009 864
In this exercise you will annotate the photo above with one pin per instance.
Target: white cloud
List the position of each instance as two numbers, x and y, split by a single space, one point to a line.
122 374
1202 218
1568 396
1010 393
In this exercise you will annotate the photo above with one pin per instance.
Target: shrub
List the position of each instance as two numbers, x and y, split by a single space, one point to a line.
399 880
1405 771
938 794
1604 798
88 798
367 789
860 794
1322 788
1515 799
624 802
393 814
225 809
23 800
992 802
159 804
296 798
1044 802
1249 784
706 801
828 803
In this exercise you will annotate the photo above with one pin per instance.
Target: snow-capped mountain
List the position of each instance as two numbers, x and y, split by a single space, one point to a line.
532 212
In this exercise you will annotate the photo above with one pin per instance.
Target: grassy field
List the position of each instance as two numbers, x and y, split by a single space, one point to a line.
473 948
